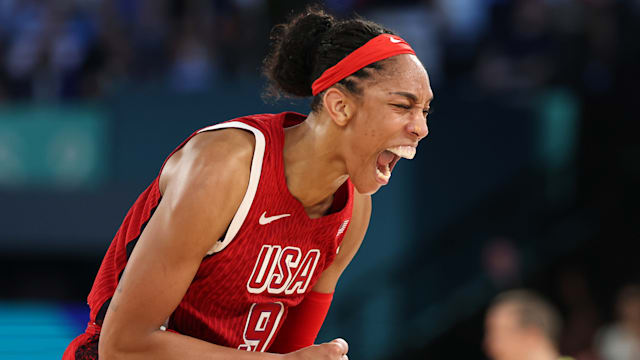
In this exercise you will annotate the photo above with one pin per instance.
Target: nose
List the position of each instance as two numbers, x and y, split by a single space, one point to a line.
418 126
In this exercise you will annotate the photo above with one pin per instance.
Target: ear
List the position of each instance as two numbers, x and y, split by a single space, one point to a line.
339 106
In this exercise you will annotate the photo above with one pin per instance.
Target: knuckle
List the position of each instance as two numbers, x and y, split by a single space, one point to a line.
336 349
333 350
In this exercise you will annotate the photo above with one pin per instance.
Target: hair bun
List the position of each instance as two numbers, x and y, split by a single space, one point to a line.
290 65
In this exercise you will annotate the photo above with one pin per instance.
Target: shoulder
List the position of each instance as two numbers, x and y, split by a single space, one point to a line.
217 155
203 184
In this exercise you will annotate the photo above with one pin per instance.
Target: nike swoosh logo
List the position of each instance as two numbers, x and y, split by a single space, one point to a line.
394 40
264 220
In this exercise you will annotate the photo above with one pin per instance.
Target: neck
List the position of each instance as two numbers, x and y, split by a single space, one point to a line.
312 165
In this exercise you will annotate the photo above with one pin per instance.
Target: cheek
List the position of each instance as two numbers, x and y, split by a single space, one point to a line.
369 133
498 341
364 126
374 128
365 138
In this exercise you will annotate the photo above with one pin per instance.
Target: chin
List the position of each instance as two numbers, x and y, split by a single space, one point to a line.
365 187
368 191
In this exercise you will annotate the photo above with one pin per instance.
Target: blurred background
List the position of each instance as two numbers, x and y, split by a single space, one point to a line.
529 176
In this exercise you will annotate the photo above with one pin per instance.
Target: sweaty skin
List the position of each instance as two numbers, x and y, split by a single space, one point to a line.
342 140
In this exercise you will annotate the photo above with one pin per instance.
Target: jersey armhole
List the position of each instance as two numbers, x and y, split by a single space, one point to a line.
254 179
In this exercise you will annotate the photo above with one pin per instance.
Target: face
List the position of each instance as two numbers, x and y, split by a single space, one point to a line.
388 123
504 337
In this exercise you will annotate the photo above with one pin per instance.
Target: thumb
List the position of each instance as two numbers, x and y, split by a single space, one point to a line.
342 344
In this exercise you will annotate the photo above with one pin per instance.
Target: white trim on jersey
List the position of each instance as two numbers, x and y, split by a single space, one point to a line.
254 178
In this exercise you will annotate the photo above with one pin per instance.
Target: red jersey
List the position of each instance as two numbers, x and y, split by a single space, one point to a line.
269 258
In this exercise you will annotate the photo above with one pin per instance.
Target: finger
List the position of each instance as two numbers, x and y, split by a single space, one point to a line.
344 347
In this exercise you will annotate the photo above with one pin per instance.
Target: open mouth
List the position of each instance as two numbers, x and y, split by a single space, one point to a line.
388 159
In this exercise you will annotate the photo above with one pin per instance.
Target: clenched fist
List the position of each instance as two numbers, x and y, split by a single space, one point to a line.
335 350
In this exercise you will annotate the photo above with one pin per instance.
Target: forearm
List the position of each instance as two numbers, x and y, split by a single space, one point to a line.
166 345
303 323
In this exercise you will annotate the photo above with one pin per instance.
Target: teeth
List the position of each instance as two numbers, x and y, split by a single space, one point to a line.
407 152
386 174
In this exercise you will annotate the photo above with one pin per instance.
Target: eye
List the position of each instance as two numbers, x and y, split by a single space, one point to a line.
403 106
427 112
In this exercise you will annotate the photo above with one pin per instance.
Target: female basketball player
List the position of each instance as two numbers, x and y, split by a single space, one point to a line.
240 241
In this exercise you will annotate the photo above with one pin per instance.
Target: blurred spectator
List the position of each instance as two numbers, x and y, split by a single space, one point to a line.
621 340
465 20
518 53
192 64
69 49
74 48
521 325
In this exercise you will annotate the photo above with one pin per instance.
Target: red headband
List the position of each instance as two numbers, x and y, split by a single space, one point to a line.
379 48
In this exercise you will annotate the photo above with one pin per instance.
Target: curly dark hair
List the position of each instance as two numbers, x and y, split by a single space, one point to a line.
310 43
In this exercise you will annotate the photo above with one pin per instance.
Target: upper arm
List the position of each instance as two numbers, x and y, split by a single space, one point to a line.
350 244
202 185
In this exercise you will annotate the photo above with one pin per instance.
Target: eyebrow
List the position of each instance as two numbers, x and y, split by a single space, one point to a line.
408 95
